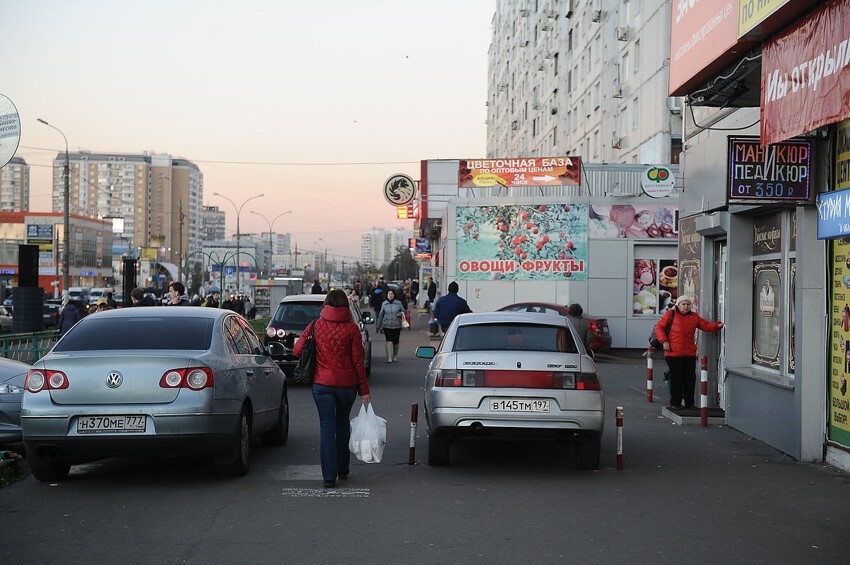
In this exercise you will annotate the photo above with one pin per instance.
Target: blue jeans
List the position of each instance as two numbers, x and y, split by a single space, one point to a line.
334 405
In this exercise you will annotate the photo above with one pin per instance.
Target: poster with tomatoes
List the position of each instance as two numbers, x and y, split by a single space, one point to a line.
522 242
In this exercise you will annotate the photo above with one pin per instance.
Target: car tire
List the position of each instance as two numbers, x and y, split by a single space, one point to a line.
587 453
238 467
279 434
438 451
49 472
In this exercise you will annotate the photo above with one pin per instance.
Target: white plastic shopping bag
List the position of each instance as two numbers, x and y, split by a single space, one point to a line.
368 435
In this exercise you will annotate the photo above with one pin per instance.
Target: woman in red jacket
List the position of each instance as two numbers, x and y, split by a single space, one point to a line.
680 349
339 377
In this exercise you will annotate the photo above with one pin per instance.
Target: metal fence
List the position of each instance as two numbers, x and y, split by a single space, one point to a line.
29 347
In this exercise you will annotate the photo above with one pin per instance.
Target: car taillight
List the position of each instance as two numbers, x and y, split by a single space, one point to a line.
594 327
588 381
195 378
38 380
448 377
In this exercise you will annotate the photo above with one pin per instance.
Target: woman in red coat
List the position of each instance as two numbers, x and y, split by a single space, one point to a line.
680 349
339 377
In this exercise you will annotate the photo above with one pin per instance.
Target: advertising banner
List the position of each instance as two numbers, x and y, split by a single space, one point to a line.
651 221
839 397
522 242
805 75
771 173
531 171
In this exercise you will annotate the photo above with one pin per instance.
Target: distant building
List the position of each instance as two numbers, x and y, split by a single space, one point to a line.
379 247
212 223
15 186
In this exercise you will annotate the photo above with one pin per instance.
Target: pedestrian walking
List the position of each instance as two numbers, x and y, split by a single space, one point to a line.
575 314
339 377
376 298
389 323
177 294
70 315
680 349
139 298
414 291
432 292
317 288
447 308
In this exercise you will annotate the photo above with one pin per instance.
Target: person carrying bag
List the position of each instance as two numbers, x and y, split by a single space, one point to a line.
338 378
368 435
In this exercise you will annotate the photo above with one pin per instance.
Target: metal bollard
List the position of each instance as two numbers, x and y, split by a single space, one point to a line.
414 416
703 391
619 438
649 375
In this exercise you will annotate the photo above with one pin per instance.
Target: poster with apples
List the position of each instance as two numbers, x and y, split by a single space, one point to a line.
522 242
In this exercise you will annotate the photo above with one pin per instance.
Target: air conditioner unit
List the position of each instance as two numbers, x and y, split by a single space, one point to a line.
596 16
514 125
616 141
622 33
544 27
523 43
568 12
553 111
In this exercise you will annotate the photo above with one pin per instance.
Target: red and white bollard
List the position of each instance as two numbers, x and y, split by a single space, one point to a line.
414 416
649 375
703 391
619 438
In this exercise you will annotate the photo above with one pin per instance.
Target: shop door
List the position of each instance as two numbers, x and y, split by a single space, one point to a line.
720 307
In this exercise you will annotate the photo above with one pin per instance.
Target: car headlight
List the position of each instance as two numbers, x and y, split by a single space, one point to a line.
271 332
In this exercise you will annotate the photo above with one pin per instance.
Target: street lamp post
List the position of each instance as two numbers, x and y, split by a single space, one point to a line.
271 224
238 212
66 202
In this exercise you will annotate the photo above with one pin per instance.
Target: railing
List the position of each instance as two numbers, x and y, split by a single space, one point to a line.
28 347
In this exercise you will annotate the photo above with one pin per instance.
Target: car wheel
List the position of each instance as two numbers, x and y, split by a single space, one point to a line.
438 451
239 466
587 453
280 432
49 472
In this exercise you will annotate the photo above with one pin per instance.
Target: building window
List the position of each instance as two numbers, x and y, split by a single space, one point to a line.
770 296
637 56
635 114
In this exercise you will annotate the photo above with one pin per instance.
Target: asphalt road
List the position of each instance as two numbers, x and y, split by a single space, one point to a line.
686 494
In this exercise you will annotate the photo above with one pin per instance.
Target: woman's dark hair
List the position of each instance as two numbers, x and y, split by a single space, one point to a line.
388 294
336 298
575 309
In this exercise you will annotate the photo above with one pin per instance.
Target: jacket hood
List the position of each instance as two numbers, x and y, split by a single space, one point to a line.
335 313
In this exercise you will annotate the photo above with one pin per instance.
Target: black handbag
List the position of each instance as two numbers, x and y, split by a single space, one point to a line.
303 373
653 341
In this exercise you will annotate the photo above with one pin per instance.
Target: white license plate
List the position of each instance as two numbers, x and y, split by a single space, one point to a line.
110 424
518 405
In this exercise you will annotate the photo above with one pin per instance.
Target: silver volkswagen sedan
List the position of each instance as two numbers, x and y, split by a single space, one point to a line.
510 373
153 381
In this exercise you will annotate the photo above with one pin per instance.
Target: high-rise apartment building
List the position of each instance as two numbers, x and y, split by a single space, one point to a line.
156 199
582 78
15 186
379 247
212 223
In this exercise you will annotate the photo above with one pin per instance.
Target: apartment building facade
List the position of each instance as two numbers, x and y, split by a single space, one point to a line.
15 186
379 246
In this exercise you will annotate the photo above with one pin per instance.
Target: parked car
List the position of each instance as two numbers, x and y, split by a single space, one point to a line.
80 293
12 376
5 319
292 316
97 293
598 326
51 314
153 381
512 374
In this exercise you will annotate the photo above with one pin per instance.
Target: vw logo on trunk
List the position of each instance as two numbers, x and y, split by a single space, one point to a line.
114 379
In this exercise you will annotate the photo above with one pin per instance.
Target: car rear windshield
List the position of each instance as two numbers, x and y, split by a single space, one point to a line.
95 334
296 315
513 337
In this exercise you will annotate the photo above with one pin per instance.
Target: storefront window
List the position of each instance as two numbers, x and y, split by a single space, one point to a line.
766 313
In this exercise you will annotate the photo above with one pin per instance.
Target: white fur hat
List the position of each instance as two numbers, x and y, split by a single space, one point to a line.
684 298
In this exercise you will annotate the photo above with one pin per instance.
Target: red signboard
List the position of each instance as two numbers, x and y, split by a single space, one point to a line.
703 39
529 171
805 74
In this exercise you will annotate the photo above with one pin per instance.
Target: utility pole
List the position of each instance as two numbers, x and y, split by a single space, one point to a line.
180 242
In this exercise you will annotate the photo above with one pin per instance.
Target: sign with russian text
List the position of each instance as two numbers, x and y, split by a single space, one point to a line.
531 171
805 74
772 173
522 242
833 214
839 396
753 12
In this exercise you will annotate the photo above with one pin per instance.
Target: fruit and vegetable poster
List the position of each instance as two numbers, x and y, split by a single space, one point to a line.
627 221
522 242
839 396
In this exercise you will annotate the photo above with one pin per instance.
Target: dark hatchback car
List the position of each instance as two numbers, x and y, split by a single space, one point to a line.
294 314
598 326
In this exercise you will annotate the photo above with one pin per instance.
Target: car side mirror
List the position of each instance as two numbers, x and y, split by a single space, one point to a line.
275 348
426 352
367 319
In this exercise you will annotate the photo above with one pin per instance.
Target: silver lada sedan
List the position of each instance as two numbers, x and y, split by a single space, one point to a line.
168 381
517 374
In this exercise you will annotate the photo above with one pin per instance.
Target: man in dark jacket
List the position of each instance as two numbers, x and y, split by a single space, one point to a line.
432 291
138 298
317 288
449 306
177 294
70 315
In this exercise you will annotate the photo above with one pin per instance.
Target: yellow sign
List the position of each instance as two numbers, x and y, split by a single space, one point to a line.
753 12
839 395
842 156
